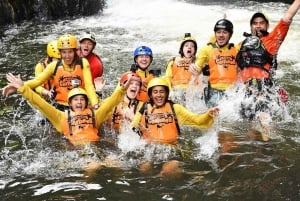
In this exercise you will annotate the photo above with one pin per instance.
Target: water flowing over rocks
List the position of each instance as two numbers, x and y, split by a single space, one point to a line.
15 11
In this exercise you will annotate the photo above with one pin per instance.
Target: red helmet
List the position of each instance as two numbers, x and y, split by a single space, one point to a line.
126 76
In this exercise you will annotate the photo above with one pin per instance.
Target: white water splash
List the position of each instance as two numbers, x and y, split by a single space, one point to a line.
208 145
66 187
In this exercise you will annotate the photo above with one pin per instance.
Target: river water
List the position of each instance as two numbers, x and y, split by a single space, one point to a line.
37 164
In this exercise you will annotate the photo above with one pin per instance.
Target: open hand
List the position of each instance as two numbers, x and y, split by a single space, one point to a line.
126 78
14 82
193 68
213 111
99 83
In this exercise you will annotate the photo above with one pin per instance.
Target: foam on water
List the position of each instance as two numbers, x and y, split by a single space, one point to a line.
66 186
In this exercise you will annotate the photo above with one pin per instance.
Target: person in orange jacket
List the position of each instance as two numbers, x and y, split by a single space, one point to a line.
257 64
217 60
143 58
121 116
159 120
177 69
80 123
68 72
53 54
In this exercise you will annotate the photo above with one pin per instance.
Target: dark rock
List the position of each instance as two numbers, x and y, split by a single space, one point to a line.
14 11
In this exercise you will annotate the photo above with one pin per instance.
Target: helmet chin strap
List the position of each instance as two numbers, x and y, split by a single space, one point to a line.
263 32
130 100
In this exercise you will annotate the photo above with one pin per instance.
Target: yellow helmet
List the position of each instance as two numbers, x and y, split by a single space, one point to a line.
52 50
67 41
157 81
76 91
90 36
187 37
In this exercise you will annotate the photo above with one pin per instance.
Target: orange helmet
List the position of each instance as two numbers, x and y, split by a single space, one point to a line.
126 76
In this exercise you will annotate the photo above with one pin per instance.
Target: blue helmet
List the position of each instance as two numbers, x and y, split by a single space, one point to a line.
142 50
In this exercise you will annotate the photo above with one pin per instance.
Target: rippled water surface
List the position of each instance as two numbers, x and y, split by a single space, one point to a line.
231 161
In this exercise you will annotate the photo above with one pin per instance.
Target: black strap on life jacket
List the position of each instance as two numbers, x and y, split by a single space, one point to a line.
144 110
133 103
175 116
170 60
253 53
70 121
59 63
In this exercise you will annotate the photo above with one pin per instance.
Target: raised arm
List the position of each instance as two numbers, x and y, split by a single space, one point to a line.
291 12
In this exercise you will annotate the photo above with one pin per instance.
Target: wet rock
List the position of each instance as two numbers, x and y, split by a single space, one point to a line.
14 11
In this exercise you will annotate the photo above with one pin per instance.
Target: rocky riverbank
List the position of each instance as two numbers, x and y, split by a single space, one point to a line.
14 11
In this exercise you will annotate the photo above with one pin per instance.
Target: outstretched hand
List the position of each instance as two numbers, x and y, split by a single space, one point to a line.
213 111
99 83
193 69
14 82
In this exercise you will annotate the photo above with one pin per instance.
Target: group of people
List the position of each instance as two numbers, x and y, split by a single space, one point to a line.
251 63
68 83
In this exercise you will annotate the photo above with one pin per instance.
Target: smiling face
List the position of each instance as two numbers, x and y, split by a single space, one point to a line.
159 95
143 61
86 47
78 102
222 37
133 89
68 55
189 49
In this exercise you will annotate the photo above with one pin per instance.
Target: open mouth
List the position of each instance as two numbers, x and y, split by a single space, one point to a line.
133 90
159 100
79 106
85 51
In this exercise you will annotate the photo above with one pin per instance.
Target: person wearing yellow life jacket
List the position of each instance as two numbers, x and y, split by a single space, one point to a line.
79 123
159 119
143 58
53 54
257 61
177 69
220 59
123 113
68 72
